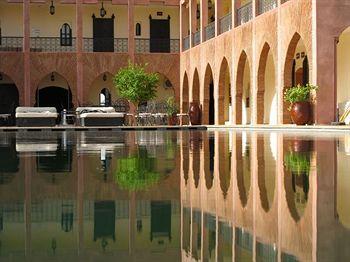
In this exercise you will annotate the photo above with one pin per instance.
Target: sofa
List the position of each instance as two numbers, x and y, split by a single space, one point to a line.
36 116
99 116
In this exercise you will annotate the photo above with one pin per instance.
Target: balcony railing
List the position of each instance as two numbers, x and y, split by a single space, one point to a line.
266 5
196 38
146 45
226 23
11 44
186 43
210 31
50 44
244 14
119 45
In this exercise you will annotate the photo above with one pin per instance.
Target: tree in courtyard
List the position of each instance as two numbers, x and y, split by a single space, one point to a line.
135 84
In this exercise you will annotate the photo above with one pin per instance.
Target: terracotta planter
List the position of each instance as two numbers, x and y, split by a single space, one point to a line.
299 145
172 120
194 112
300 113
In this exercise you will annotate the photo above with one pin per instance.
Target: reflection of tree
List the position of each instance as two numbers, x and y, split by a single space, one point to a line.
137 172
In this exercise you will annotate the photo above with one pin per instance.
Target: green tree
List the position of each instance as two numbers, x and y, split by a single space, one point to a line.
135 84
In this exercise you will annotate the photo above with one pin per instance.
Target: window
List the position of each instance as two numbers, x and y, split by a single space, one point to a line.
105 97
66 35
138 29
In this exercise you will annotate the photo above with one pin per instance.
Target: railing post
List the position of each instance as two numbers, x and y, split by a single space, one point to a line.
234 4
193 11
218 15
26 53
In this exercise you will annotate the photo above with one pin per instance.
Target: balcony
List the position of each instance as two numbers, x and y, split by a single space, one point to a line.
146 45
210 31
186 43
11 44
51 44
226 23
266 5
244 14
197 38
118 45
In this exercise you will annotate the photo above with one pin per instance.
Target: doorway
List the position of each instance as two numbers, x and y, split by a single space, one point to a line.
211 104
103 34
54 96
160 35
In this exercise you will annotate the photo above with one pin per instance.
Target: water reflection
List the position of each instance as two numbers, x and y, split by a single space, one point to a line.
170 196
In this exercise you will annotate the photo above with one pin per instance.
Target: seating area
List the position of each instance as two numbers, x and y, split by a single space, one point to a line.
99 116
36 116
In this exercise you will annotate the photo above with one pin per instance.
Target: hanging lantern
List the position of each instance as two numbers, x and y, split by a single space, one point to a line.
52 77
104 77
103 11
52 8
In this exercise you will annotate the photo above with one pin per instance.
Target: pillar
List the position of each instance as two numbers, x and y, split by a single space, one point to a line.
26 52
80 204
204 18
193 18
79 52
131 39
254 68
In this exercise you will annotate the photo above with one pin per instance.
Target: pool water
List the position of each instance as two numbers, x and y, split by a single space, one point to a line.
174 196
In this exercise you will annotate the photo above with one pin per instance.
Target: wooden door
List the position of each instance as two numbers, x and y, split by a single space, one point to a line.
103 33
159 35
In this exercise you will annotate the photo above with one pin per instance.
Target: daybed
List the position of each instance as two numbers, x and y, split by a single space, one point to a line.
99 116
36 116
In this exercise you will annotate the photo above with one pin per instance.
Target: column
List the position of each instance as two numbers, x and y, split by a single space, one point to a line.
193 17
254 86
204 18
26 52
80 204
218 15
28 204
79 43
131 39
279 67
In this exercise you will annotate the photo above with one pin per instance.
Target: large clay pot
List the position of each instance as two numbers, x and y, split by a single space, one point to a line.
300 145
300 113
172 120
194 112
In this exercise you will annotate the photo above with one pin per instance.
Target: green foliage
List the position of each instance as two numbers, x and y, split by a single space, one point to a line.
298 162
171 106
135 84
137 172
299 93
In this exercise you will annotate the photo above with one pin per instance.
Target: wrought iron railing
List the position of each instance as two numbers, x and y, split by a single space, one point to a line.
226 23
50 44
120 45
266 5
11 44
186 43
196 38
210 31
244 14
146 45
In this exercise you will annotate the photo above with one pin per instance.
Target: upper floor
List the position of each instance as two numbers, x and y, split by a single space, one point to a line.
202 20
106 26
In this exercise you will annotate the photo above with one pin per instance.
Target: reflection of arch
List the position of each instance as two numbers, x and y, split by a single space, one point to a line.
297 189
224 92
9 162
208 106
185 161
224 165
241 67
243 170
185 99
209 176
54 91
9 96
266 81
195 87
290 68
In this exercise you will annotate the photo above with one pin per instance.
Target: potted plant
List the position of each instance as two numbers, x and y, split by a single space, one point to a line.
299 99
172 110
135 84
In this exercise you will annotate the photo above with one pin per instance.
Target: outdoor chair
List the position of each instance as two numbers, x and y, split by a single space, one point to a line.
36 116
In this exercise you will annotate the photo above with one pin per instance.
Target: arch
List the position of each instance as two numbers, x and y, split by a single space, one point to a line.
243 90
294 62
165 88
266 94
104 81
105 97
224 99
54 90
185 94
9 97
208 104
138 29
195 87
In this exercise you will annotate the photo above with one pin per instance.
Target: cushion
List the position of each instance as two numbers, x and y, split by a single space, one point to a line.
81 110
102 115
35 115
35 109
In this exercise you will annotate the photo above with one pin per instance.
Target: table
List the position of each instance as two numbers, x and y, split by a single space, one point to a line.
182 116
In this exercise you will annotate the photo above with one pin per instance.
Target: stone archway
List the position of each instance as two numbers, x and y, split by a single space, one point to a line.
9 96
296 69
208 104
243 90
267 111
223 112
195 87
102 82
185 94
